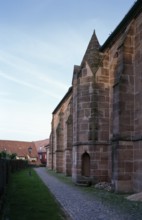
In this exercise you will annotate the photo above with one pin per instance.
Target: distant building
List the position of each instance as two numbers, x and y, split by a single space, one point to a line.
42 151
21 149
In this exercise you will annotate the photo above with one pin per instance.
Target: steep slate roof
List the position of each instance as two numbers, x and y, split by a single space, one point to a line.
132 13
18 147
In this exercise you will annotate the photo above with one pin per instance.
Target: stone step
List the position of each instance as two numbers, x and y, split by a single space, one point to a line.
83 183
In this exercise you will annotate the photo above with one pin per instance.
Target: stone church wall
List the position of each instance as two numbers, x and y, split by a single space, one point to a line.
137 149
97 127
61 137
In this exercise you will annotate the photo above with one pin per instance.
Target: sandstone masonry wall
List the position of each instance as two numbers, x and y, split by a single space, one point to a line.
97 127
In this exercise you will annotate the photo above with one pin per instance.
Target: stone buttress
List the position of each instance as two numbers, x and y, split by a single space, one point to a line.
90 118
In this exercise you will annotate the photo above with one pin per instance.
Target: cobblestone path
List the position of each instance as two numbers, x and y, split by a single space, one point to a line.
78 204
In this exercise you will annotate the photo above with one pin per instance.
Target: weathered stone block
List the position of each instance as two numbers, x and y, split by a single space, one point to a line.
123 186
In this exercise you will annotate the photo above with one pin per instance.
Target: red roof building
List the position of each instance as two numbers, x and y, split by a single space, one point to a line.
41 149
21 149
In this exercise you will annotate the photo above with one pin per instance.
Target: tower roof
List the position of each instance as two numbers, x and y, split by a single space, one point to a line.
91 55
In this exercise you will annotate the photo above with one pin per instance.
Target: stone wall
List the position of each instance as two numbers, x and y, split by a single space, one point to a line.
61 137
90 117
97 127
137 169
125 110
122 108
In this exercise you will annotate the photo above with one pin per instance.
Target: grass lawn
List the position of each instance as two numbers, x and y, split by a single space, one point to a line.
29 199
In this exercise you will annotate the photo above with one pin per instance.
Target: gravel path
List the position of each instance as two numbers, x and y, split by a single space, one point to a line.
79 205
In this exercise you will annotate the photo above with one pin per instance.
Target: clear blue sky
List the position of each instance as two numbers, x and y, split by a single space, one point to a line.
40 41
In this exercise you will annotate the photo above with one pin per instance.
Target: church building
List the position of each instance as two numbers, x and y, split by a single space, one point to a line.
96 131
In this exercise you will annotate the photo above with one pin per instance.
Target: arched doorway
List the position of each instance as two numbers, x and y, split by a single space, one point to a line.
85 171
